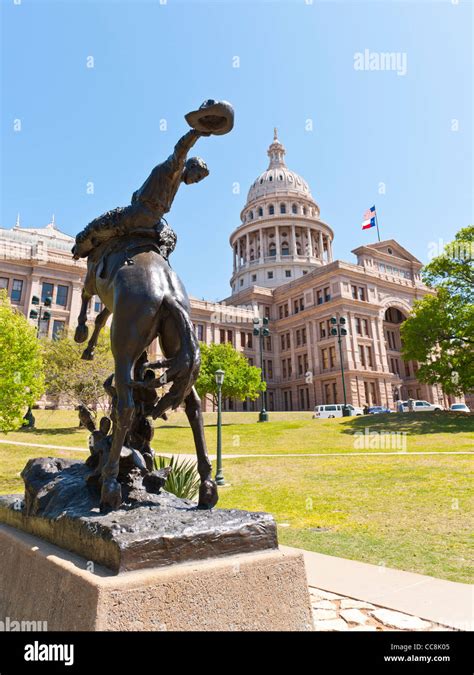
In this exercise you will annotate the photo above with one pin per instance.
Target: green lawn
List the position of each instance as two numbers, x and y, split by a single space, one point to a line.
408 511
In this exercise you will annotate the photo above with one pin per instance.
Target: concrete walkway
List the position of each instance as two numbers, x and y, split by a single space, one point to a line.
437 601
255 456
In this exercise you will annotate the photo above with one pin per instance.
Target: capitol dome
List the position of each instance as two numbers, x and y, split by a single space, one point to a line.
281 236
278 178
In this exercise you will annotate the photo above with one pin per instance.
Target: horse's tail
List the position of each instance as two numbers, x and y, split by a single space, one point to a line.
184 368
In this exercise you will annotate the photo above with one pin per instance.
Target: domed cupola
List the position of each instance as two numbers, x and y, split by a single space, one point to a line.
281 236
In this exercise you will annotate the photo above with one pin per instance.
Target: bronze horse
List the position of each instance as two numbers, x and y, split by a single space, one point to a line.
147 300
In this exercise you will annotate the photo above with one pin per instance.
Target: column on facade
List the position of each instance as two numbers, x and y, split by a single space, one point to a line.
320 245
234 257
354 360
329 245
309 251
277 242
294 252
247 248
379 334
260 235
378 359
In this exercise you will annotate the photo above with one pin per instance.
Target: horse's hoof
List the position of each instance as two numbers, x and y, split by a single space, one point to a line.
208 496
88 354
81 333
111 495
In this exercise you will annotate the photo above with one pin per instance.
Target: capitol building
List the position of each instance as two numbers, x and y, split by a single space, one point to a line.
283 268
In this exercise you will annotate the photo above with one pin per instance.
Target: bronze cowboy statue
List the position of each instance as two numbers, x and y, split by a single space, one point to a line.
127 252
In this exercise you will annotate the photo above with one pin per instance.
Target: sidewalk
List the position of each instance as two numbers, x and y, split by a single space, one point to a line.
426 600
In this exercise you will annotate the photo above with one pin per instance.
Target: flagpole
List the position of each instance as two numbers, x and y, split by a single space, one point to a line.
377 223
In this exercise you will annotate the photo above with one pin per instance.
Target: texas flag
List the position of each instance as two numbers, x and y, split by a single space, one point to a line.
369 218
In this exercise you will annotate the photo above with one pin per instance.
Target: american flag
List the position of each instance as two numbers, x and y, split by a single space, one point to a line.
369 218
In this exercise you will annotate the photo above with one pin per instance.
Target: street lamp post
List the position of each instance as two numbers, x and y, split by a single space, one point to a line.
219 375
262 331
339 330
39 313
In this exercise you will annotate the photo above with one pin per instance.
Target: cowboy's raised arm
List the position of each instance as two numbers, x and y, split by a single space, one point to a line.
183 146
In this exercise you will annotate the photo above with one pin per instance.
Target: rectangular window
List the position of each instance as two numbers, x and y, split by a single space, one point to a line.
369 357
243 340
290 368
61 295
287 273
222 336
200 332
327 393
365 326
319 297
305 363
270 369
283 368
280 311
3 282
17 289
362 355
249 341
327 295
325 359
288 341
361 293
358 326
43 328
334 392
268 343
46 291
296 308
322 330
300 365
282 342
354 292
230 336
58 327
332 356
298 338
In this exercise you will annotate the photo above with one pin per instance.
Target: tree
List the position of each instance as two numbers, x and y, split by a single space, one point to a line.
241 380
440 332
21 366
78 382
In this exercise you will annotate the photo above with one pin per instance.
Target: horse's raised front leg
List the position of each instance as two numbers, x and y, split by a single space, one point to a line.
208 496
111 494
82 331
100 321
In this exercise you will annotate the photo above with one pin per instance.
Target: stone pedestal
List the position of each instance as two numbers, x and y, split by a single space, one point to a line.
251 591
156 563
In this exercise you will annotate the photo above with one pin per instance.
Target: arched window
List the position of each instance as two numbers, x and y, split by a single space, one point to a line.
251 215
294 208
298 248
304 210
272 249
280 176
282 208
270 178
271 210
260 211
261 181
285 249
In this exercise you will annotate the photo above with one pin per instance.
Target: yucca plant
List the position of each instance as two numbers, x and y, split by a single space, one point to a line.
183 480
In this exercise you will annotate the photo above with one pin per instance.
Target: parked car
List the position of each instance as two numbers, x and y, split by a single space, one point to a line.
422 406
334 410
460 407
377 410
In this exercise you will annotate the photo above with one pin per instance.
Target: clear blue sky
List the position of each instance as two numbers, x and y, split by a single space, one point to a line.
155 61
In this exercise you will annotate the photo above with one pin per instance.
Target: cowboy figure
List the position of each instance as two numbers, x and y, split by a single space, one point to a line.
150 202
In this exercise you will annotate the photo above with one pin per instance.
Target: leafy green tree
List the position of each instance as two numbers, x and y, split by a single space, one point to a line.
21 365
75 380
440 332
241 380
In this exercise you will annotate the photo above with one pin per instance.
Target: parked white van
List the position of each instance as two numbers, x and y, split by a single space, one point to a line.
334 410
